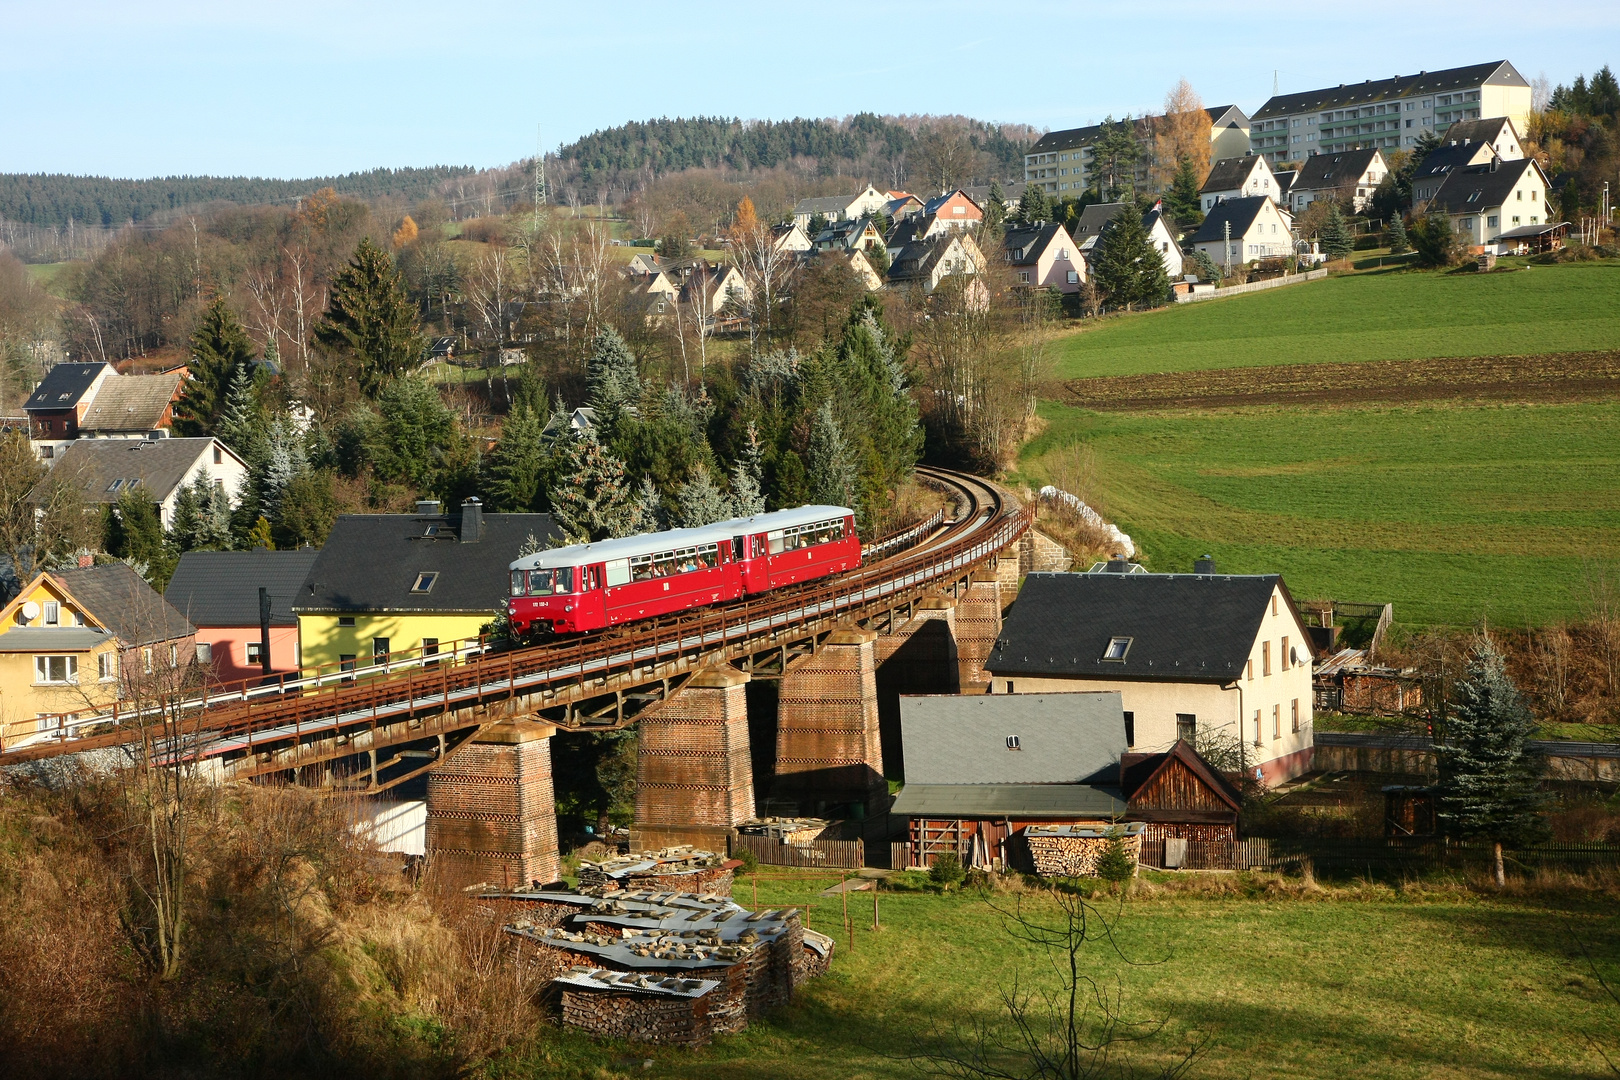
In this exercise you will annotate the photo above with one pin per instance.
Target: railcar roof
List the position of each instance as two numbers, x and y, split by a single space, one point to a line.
649 543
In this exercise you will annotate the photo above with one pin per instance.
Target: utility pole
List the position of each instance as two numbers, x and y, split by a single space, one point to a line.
539 176
1226 244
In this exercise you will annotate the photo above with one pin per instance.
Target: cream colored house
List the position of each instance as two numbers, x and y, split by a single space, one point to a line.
1237 178
1221 661
926 263
1485 202
1241 231
841 207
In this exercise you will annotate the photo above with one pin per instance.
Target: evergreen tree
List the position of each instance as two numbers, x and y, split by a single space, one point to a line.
282 464
748 476
1433 240
241 423
1127 266
218 348
410 434
1398 243
590 500
1198 263
370 317
878 257
648 513
133 532
1181 199
1488 776
829 464
817 225
1115 154
995 207
701 502
674 246
260 536
183 533
309 509
1033 205
1337 240
790 486
1569 200
615 380
515 474
213 532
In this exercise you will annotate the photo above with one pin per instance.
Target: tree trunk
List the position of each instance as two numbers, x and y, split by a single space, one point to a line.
1501 873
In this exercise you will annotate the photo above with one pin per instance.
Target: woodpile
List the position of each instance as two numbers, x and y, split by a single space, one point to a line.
640 1008
675 869
788 830
1074 850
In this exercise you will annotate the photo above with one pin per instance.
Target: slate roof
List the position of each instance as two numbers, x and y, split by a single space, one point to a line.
221 588
917 259
1065 738
370 562
1477 187
830 204
159 465
908 229
1006 800
1327 171
1487 130
1240 212
131 403
1443 159
1023 244
1497 73
1183 627
62 387
1094 217
1230 174
117 598
1011 192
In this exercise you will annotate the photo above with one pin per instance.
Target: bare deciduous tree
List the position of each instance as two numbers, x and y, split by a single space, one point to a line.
1183 132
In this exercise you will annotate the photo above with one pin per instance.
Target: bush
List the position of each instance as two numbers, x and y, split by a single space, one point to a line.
1434 241
1115 865
750 861
947 870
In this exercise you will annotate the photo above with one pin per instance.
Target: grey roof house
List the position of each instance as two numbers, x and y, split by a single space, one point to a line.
221 588
107 468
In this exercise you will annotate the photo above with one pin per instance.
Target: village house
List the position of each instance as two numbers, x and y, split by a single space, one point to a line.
790 238
1035 782
1240 231
863 269
76 641
926 263
58 404
1471 142
901 205
1095 219
107 468
1237 178
218 593
1387 113
1496 206
1350 176
849 235
711 288
840 207
1211 659
1062 161
914 228
1043 255
407 585
955 209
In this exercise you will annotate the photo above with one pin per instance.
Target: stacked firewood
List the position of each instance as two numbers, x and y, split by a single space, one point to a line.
1059 855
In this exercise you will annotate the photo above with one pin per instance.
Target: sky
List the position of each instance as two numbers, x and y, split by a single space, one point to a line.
299 88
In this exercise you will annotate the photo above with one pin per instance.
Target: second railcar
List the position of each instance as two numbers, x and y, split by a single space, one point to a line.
594 586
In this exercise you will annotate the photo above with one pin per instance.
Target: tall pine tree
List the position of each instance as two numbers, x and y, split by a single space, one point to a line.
701 502
1181 199
1337 240
1033 205
748 476
591 500
219 347
829 463
241 424
1398 243
371 318
615 380
514 476
1488 777
1127 266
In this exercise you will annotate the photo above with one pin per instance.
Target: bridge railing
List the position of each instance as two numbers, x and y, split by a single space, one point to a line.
471 671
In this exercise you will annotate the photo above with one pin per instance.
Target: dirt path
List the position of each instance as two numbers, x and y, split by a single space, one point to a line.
1552 377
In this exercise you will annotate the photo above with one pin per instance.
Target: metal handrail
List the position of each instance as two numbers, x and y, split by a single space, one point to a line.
470 667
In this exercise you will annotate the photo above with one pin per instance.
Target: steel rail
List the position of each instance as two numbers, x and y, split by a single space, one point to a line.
474 676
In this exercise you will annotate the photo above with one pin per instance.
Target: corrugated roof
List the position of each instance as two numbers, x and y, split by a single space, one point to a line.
1182 627
63 386
1063 738
370 562
131 403
117 598
1006 800
221 588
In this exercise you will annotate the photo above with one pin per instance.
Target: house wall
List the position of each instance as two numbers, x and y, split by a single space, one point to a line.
1228 142
1169 250
1526 206
1267 701
1512 102
22 699
228 645
229 471
1269 236
324 642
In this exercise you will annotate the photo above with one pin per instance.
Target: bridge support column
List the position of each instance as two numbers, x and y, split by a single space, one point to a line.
694 777
828 746
978 624
491 813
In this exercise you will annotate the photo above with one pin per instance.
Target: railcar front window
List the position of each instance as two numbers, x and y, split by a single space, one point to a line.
539 582
518 586
565 579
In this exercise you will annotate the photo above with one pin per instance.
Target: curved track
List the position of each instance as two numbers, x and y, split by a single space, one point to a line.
330 714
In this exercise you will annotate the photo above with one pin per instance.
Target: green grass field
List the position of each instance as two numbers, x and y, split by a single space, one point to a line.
1387 987
49 276
1372 316
1452 511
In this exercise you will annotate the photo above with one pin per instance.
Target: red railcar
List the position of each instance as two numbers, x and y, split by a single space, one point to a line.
592 586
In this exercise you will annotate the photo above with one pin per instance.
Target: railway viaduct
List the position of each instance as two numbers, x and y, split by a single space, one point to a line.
919 617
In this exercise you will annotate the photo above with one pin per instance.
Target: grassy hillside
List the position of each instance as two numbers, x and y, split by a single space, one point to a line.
1386 988
1453 511
1374 316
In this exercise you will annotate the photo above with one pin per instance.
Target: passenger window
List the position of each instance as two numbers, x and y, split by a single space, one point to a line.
778 542
618 572
641 569
565 579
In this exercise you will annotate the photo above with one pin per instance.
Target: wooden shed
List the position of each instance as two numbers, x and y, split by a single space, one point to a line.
1178 795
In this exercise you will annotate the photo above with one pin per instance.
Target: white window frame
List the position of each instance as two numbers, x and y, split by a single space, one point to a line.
42 670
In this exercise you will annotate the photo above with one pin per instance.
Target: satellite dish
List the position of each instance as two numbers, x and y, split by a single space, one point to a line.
1294 656
30 610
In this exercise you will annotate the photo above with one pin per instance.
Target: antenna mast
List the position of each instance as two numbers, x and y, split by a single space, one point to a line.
539 176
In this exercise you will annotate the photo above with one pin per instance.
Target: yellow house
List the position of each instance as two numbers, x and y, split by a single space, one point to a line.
401 586
70 638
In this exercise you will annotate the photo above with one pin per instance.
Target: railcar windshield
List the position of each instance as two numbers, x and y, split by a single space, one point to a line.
543 582
803 536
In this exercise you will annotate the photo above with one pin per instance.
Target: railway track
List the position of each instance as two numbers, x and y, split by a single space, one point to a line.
586 682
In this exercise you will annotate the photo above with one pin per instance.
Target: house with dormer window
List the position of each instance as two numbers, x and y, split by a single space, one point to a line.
1237 178
1494 206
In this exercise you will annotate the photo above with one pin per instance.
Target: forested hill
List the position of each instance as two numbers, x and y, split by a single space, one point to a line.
665 145
52 199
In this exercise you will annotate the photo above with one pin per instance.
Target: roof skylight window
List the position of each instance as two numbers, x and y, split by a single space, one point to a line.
424 582
1117 648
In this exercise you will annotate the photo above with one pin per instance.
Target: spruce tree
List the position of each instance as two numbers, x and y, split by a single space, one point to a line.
1488 776
1127 267
615 380
219 346
241 423
213 531
1336 238
1181 200
283 463
701 502
829 464
995 207
591 500
515 473
1398 243
1033 205
371 318
1434 241
183 533
647 514
748 476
